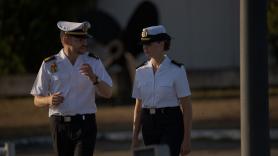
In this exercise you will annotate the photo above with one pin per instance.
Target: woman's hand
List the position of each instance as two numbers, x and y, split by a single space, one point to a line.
185 148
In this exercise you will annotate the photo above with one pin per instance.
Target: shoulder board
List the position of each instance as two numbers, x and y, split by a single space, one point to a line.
93 55
49 58
176 63
141 65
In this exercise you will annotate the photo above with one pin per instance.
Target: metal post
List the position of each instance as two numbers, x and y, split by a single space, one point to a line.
10 149
254 79
7 150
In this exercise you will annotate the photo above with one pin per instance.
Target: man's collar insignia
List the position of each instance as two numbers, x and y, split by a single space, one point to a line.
49 58
53 68
93 55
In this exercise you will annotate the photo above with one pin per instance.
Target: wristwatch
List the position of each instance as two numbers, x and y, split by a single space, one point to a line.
97 81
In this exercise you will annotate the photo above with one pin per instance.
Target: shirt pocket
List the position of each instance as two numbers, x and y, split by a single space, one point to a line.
146 88
82 82
59 81
165 89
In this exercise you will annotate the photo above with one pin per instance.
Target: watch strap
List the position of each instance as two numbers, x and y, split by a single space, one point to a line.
97 81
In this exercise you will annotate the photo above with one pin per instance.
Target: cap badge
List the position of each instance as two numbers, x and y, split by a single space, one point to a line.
144 33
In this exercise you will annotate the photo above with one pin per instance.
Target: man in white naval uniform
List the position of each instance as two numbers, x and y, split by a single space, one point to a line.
66 83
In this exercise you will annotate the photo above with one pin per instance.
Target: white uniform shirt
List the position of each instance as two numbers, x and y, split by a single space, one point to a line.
78 91
163 88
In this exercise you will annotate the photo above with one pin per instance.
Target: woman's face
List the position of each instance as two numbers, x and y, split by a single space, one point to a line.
154 49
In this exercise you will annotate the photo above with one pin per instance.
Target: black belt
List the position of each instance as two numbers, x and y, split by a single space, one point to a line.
73 118
163 110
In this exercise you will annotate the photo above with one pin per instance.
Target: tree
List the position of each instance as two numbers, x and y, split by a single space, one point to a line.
28 31
272 25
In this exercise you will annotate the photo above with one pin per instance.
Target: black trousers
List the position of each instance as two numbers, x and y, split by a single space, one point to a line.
74 135
165 126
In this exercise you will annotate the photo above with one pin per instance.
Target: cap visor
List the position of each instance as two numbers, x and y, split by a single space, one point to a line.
144 42
82 36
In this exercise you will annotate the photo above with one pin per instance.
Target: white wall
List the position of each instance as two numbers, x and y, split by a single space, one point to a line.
206 32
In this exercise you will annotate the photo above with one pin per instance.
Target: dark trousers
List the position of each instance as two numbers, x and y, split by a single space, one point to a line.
74 135
165 126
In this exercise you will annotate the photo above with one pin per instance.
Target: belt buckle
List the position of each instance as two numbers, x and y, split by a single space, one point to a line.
67 119
152 110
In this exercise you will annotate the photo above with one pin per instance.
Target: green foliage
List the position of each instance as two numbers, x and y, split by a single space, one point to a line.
9 62
272 18
272 25
28 31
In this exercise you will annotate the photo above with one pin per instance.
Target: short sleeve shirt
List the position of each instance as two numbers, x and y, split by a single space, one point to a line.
162 88
59 75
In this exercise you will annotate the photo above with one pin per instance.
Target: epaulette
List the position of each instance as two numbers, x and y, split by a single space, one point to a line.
49 58
93 55
176 63
141 65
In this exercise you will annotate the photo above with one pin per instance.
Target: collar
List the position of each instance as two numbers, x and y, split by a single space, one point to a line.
62 56
165 62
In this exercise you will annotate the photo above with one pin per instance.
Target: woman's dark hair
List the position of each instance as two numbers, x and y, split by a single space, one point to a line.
167 44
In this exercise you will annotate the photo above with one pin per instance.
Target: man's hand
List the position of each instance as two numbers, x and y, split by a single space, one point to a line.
55 99
86 70
135 142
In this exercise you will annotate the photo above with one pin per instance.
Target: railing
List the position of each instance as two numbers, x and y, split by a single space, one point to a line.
7 150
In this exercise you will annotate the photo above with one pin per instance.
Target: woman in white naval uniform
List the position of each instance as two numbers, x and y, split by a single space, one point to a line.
163 107
66 83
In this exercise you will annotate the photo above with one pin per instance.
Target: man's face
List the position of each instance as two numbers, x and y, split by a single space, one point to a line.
79 44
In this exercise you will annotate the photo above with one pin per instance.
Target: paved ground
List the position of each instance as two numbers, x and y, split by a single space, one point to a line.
20 117
202 152
121 148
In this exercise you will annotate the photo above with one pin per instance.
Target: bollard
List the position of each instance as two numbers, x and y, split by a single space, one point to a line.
152 150
7 150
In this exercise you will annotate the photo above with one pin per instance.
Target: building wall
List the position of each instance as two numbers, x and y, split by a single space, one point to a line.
205 32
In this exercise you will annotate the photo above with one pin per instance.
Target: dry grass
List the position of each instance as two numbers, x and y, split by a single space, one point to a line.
21 114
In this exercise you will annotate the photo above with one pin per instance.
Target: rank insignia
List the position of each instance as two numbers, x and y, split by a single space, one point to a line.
53 68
